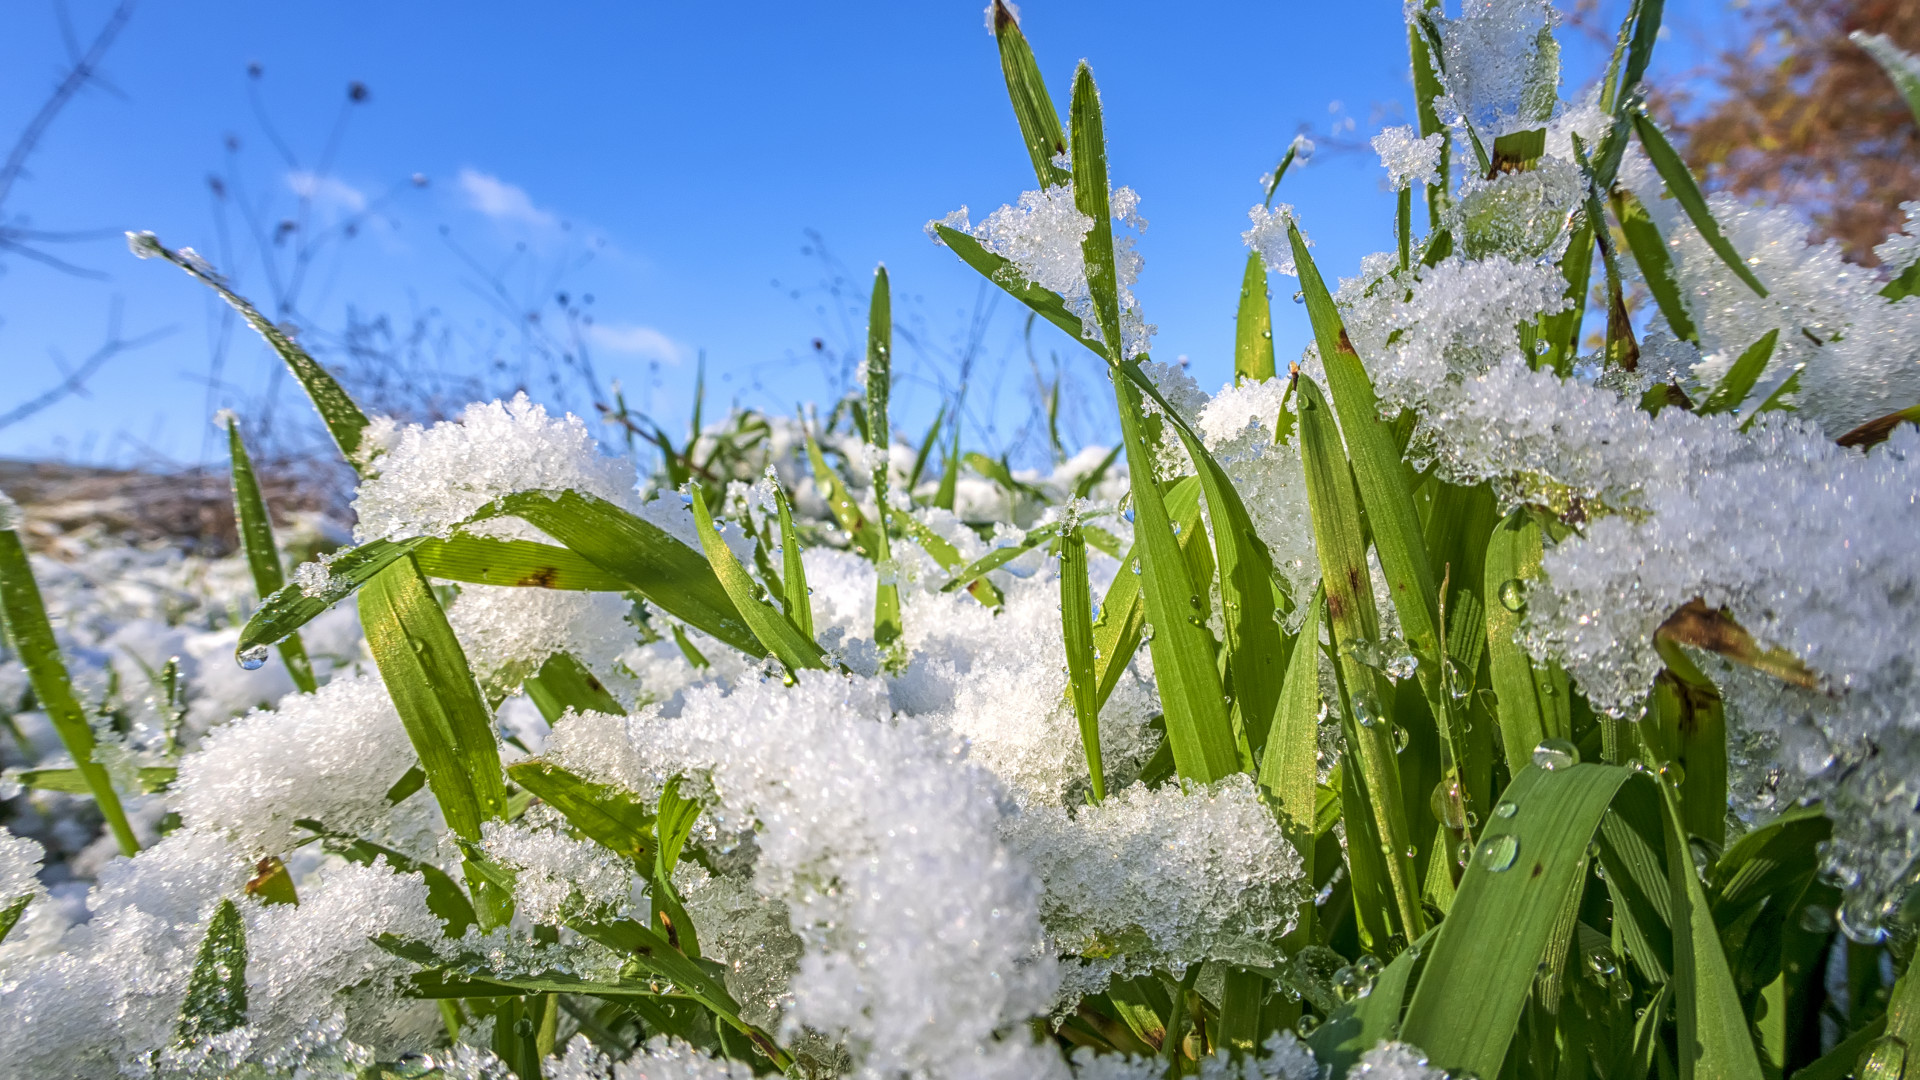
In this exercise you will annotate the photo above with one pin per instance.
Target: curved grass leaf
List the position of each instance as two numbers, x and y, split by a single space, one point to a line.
1875 431
216 999
1740 378
1680 182
886 599
564 683
797 596
776 632
1711 1026
263 556
1524 874
483 560
439 703
643 556
290 608
73 782
605 814
1116 630
1656 265
1039 123
846 511
1534 703
1361 1024
1290 765
1897 64
999 557
344 420
1076 632
944 553
1253 325
24 619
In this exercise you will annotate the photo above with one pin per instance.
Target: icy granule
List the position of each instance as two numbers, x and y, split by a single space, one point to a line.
1282 1057
1238 426
557 876
748 933
1902 249
1489 68
433 478
920 930
10 514
1268 236
19 868
1520 215
318 582
1408 158
330 755
508 632
1164 878
661 1058
1395 1061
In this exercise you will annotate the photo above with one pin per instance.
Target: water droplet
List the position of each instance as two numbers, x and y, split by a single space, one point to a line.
1513 595
1602 964
1884 1057
1305 1026
1136 565
1401 667
1400 739
1445 804
1146 631
1498 852
1505 808
1464 853
1412 852
1299 297
1554 754
253 659
1267 334
1673 773
1366 711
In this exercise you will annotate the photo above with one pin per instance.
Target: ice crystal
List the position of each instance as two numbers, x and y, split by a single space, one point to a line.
318 582
1499 64
557 876
661 1058
1520 214
1396 1061
1238 425
1408 158
508 632
1268 236
331 755
1165 877
1042 235
10 515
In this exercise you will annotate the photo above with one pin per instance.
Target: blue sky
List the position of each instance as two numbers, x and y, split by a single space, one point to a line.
667 159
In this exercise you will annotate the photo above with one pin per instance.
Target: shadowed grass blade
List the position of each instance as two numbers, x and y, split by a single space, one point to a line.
798 598
776 632
1656 265
263 556
839 500
446 718
1076 631
563 683
1253 326
1711 1026
1116 632
604 814
1335 508
886 599
1290 767
344 420
1533 699
31 636
1681 184
444 896
1523 875
216 999
1739 380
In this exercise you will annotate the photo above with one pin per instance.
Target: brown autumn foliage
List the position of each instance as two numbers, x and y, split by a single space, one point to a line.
1798 114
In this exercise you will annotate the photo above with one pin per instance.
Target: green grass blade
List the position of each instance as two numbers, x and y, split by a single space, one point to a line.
446 718
1656 265
263 556
31 636
344 420
216 999
1739 380
1427 88
1361 1024
1525 872
1002 272
1092 195
1039 123
840 501
10 915
563 683
1681 184
1533 700
945 554
1895 63
775 631
74 782
950 479
1711 1026
798 598
648 560
1335 508
482 560
444 896
1646 31
1116 632
1290 767
999 557
290 608
1076 632
1253 326
608 816
1199 729
1561 330
926 449
886 599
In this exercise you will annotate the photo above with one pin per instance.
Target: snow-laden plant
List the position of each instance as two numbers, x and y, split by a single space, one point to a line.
1457 704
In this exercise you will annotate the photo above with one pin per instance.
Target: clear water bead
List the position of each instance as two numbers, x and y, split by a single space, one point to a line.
1554 754
1498 852
253 658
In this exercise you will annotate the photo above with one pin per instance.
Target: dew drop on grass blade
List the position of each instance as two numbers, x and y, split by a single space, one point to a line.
263 555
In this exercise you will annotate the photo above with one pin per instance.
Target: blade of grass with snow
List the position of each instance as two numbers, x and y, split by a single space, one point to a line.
999 557
1533 699
563 683
1740 378
1039 123
1682 186
263 555
1076 633
886 599
23 616
1656 266
1116 632
797 600
839 500
216 1000
1253 325
1290 766
776 632
433 689
944 553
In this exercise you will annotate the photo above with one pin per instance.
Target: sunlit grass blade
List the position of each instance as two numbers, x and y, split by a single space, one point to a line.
1740 378
11 913
31 637
216 1000
1533 699
263 556
797 600
945 554
447 720
1711 1025
604 814
776 632
1524 873
886 599
483 560
1002 272
563 683
1681 184
1116 632
344 420
1646 17
1076 631
840 501
1335 507
1039 123
999 557
1253 326
1092 195
1290 765
647 559
74 782
1426 89
1656 265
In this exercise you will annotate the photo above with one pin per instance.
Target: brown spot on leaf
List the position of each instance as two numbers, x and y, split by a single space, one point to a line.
1703 627
540 578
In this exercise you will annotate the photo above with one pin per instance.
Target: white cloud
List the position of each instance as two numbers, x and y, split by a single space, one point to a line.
500 200
327 191
641 341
